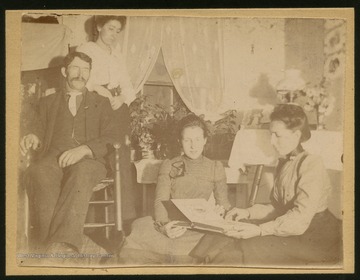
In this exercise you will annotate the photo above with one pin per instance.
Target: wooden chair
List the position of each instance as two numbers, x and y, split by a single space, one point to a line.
252 149
111 189
111 192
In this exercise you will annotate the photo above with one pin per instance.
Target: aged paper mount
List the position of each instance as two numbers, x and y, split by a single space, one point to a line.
13 62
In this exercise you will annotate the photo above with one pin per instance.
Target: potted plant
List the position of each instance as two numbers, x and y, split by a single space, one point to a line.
142 140
153 128
223 134
165 128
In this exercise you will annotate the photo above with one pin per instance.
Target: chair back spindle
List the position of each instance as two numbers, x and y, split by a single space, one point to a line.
118 222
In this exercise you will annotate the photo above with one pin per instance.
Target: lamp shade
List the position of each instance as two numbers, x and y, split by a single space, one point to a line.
291 82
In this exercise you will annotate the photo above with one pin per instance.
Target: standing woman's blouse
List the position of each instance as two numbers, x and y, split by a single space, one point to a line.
108 70
183 177
301 189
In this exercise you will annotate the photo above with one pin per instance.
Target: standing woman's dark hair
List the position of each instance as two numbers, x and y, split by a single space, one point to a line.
100 21
294 117
191 120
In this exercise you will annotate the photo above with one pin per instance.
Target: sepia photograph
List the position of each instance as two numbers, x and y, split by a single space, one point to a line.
199 140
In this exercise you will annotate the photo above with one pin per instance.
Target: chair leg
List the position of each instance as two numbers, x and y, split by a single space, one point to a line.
118 212
144 199
255 185
24 224
114 239
106 208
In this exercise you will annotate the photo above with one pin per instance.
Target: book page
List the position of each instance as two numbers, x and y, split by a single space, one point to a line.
202 212
197 210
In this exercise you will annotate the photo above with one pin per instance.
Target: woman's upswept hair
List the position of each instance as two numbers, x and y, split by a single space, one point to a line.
102 20
294 118
191 120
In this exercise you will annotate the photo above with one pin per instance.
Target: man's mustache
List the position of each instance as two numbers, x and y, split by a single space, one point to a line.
79 79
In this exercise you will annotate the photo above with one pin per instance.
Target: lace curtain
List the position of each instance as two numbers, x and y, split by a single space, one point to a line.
193 53
142 45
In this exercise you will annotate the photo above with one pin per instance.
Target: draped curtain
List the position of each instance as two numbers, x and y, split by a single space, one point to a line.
192 49
143 40
193 53
43 45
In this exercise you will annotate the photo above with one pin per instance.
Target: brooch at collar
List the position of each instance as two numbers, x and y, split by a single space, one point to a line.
177 169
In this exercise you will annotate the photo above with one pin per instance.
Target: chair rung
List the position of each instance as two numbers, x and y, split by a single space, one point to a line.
107 180
102 202
98 225
102 185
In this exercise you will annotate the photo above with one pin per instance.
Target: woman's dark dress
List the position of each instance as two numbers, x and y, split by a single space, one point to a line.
180 178
297 229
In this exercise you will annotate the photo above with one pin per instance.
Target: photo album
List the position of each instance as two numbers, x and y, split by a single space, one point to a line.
198 214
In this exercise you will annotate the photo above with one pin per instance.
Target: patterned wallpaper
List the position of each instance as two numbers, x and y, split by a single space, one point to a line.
334 68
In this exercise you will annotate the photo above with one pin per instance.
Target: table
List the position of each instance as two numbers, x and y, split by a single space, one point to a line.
252 148
147 171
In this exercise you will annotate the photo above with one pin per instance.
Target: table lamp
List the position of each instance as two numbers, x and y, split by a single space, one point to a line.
289 87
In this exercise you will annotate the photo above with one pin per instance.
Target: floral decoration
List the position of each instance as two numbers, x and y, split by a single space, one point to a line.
319 101
153 126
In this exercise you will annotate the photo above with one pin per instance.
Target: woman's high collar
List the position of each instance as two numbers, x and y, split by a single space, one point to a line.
298 150
198 160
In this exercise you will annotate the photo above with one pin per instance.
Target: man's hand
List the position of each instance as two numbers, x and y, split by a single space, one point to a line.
237 214
73 156
117 101
244 231
29 141
173 231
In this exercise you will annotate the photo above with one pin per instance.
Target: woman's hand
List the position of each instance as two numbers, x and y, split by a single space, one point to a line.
103 91
237 214
244 231
116 101
220 210
173 231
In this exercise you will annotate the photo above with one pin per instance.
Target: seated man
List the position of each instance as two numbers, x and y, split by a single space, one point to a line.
71 135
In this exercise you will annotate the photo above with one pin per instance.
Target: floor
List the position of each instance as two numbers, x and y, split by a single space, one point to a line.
93 253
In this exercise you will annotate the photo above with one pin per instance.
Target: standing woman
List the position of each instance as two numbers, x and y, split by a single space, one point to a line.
109 78
296 228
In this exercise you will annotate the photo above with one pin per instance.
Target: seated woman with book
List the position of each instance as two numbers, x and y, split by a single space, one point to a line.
296 228
190 175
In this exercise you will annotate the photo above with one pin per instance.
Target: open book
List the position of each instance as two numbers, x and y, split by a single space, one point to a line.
198 214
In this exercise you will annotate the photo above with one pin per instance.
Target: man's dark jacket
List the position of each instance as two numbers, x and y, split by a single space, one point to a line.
100 124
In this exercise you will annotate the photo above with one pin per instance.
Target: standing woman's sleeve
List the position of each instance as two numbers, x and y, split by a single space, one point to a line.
125 83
